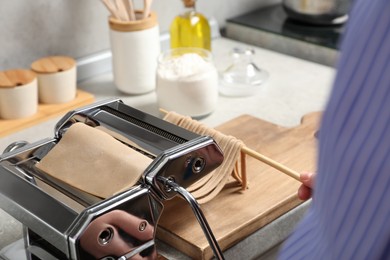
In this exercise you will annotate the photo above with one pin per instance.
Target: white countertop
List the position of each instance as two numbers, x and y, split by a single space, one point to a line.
295 88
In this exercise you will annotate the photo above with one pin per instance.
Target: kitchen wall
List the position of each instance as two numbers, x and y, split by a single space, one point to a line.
33 29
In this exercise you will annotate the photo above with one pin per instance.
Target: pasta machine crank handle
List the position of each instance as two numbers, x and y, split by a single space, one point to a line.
173 186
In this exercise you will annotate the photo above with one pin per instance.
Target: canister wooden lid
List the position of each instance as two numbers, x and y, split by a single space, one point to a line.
15 78
131 26
53 64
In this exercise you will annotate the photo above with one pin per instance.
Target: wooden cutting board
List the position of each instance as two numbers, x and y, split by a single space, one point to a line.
45 112
234 214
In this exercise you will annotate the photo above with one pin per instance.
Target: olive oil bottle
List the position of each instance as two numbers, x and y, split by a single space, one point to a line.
190 29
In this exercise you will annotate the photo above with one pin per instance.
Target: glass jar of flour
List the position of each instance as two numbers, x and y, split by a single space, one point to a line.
187 82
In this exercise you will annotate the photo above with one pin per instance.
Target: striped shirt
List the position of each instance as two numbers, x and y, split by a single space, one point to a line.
350 214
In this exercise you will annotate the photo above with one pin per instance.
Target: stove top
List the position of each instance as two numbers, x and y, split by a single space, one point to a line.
274 19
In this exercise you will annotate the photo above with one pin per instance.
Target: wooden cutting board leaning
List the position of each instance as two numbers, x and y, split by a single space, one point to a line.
234 214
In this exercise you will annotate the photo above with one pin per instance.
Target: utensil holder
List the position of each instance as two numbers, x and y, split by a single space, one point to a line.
56 79
135 47
18 94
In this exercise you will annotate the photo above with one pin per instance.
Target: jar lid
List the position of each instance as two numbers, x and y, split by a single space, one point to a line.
243 77
15 78
53 64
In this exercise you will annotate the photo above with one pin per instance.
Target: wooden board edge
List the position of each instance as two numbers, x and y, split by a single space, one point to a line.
88 99
172 240
198 252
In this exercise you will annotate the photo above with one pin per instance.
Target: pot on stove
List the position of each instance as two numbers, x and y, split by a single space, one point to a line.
318 12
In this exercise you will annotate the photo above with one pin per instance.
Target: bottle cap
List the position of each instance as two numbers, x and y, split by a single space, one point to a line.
189 3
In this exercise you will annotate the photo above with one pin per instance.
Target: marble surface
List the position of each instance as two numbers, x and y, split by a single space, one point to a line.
295 88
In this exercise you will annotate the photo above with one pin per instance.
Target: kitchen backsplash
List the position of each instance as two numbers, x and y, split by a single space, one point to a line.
79 28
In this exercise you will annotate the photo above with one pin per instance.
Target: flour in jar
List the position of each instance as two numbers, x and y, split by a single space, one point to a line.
187 83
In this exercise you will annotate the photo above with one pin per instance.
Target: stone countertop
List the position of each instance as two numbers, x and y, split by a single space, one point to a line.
295 87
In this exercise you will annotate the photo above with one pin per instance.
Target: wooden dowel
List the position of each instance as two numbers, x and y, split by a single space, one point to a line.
163 111
264 159
272 163
243 171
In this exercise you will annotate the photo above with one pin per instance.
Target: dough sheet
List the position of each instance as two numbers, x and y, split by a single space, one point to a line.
93 161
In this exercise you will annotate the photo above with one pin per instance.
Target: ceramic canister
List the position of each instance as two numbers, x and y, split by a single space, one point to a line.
18 94
57 81
135 47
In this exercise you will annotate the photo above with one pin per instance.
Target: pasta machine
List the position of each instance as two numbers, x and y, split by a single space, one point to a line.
62 222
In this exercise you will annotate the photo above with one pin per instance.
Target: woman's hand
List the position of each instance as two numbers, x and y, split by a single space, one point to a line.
306 189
